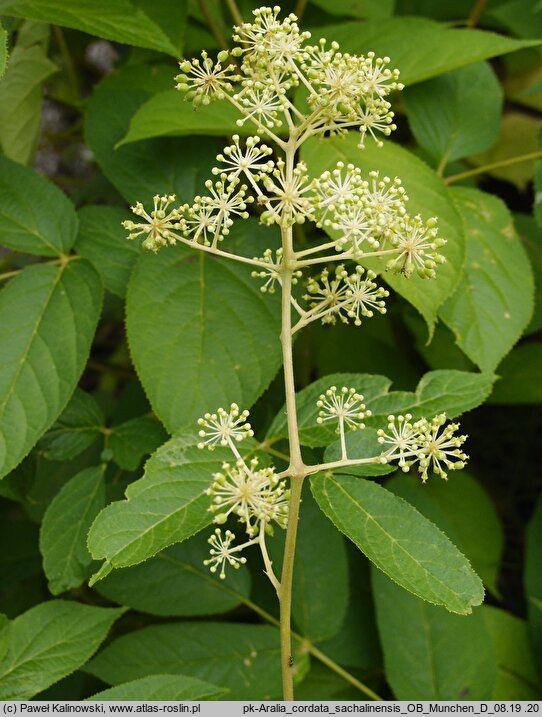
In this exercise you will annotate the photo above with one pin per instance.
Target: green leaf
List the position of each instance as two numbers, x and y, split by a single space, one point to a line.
79 425
367 9
517 678
164 507
48 315
520 376
50 641
117 20
208 316
493 301
64 529
20 101
318 613
102 240
430 654
410 549
167 114
419 47
28 224
243 658
3 50
4 635
532 579
529 231
159 166
446 391
428 197
176 582
462 509
132 440
444 113
161 687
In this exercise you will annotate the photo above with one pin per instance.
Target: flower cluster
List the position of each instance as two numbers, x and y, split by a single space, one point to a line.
256 495
346 296
345 406
431 445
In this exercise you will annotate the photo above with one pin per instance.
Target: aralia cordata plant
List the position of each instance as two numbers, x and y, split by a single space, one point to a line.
366 213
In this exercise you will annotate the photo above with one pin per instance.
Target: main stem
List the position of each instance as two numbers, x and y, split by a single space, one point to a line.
296 469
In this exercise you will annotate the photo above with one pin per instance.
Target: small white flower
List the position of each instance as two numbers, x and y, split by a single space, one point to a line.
206 80
261 102
439 447
363 295
334 189
223 427
345 406
158 224
416 243
222 553
286 196
402 438
326 296
252 160
254 495
272 274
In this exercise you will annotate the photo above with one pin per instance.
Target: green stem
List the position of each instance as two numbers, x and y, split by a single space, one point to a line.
476 13
67 58
494 165
213 26
300 8
234 11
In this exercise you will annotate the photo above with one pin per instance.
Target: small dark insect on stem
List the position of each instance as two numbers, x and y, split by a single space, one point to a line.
291 661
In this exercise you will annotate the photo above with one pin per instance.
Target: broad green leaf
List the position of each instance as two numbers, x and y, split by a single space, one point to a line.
462 509
3 50
318 606
323 684
78 426
4 635
48 315
161 687
410 549
529 231
28 224
64 529
50 641
20 101
164 507
243 658
532 579
117 20
444 113
366 9
446 391
420 48
518 136
520 376
537 205
521 17
102 240
428 197
493 301
167 114
430 654
158 166
176 582
132 440
517 678
209 317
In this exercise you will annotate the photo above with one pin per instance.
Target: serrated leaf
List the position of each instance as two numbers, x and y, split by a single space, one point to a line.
176 582
102 240
64 529
462 509
117 20
493 301
78 426
164 507
529 232
161 687
158 166
48 315
430 654
410 549
243 658
167 114
421 48
28 224
133 439
50 641
428 197
517 678
208 316
318 607
444 116
20 101
445 391
532 579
